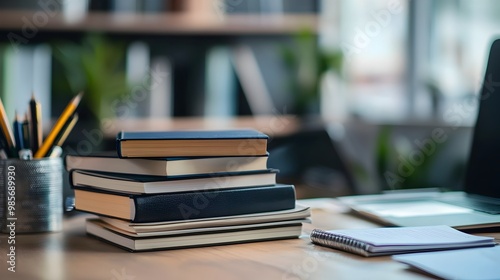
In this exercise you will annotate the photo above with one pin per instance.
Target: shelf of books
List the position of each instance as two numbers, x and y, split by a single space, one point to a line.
159 23
177 189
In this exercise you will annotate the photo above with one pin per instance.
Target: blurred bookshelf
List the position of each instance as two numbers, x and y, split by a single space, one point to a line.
189 40
223 69
166 23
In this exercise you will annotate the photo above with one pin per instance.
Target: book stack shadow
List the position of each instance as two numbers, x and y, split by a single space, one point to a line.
180 189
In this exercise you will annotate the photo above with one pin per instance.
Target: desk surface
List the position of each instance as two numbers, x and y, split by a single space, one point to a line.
71 254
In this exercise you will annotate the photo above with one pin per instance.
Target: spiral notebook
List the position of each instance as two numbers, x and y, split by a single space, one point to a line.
398 240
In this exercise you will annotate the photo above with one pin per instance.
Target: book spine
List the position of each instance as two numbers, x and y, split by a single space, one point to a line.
212 203
340 242
119 138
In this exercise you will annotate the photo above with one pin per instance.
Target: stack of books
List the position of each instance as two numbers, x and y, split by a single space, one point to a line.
179 189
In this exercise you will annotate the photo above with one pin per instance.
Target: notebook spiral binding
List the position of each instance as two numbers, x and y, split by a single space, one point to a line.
340 242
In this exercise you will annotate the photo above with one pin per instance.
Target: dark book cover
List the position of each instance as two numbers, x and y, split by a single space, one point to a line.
191 143
191 135
208 203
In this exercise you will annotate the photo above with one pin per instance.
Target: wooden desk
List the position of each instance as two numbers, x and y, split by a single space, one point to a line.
71 254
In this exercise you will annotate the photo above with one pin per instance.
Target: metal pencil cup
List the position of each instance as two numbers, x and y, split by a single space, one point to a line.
31 196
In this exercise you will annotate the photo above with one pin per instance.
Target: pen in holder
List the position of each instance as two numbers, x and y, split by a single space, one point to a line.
31 198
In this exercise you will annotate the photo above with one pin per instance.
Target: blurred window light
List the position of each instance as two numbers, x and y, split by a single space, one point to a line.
373 38
413 59
461 36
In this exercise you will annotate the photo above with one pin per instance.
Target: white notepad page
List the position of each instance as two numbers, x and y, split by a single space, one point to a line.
410 235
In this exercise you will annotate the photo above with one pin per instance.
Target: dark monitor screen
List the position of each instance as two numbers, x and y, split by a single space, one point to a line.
483 170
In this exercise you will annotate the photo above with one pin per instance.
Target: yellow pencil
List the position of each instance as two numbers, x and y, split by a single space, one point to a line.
67 129
56 149
67 113
7 131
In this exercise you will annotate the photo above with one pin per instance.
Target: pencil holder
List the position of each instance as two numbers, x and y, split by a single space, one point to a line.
31 195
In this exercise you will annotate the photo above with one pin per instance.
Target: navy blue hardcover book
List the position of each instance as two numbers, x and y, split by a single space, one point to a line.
185 205
191 143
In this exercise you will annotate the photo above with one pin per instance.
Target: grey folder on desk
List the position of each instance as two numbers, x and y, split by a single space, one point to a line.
479 204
